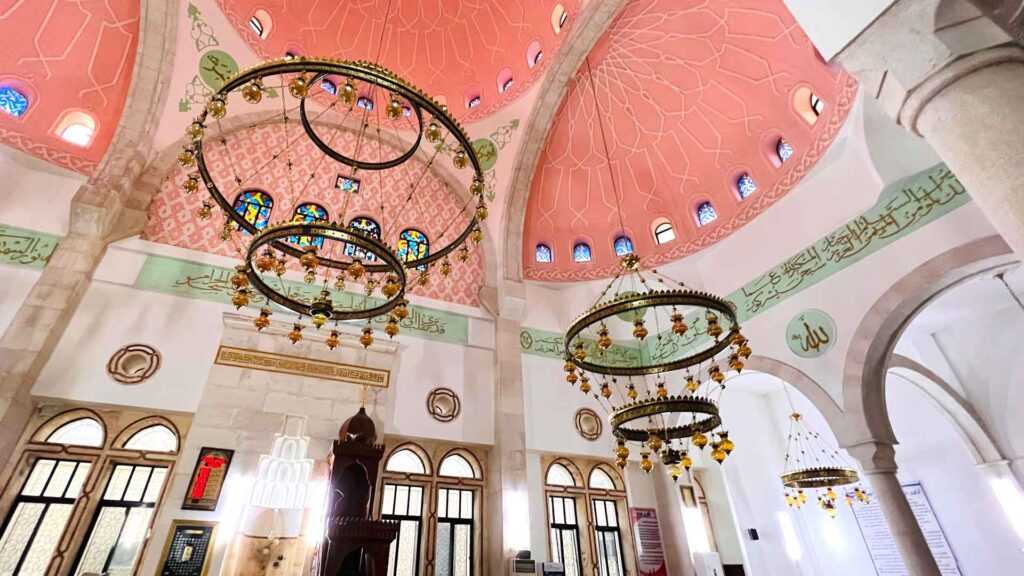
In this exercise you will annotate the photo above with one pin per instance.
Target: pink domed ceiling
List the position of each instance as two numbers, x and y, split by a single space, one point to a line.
450 48
693 94
66 57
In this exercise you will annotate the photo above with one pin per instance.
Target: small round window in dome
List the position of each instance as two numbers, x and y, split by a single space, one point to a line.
588 424
134 364
443 404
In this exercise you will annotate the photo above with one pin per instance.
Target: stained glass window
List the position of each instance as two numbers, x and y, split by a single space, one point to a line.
746 185
664 233
309 213
784 150
329 87
122 520
565 540
538 57
12 102
706 214
581 253
368 226
601 480
346 184
80 432
156 438
454 532
508 84
404 504
623 245
608 538
364 103
474 102
456 466
407 461
559 475
542 253
254 206
413 245
39 515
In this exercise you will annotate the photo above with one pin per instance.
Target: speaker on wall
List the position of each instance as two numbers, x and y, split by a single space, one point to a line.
752 532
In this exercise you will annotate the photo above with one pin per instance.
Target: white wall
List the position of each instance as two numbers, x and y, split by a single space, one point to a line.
831 24
35 195
15 284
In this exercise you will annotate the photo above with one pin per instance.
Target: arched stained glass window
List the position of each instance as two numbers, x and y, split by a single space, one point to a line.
601 480
457 466
474 102
407 461
12 102
370 227
706 214
254 206
155 438
559 475
309 212
329 87
784 150
542 253
364 103
746 185
413 245
581 253
507 84
81 432
623 245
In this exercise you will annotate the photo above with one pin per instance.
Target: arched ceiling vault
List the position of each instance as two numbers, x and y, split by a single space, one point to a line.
692 95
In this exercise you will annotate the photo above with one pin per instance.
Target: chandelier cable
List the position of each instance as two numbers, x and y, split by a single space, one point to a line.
1002 278
604 144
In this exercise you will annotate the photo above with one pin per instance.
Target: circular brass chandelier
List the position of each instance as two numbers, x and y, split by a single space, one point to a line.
322 115
812 465
660 390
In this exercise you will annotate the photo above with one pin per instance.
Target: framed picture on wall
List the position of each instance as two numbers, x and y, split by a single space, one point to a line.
207 479
188 548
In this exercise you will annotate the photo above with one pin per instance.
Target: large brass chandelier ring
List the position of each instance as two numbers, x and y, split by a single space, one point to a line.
590 320
702 411
323 306
821 477
442 131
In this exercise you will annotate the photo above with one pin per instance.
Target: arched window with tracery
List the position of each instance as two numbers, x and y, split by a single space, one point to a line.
413 245
574 497
414 491
623 245
254 206
309 212
542 254
63 454
581 252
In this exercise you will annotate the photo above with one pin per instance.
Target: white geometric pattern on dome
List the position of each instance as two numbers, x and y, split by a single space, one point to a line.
282 489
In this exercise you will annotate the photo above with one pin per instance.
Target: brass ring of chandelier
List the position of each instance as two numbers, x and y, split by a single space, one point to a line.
703 411
275 235
821 477
367 72
654 299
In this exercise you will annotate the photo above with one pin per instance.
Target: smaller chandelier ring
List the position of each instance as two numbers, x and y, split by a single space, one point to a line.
274 236
704 411
650 300
821 477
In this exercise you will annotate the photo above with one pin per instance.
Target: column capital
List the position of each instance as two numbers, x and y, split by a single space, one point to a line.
911 43
874 457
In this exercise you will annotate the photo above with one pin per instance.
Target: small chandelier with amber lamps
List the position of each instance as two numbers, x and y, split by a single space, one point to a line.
656 355
813 465
370 129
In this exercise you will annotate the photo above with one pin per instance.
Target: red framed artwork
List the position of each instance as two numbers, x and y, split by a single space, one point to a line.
207 479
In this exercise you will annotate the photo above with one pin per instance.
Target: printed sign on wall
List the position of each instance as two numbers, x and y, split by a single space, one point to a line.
647 535
188 548
207 479
885 555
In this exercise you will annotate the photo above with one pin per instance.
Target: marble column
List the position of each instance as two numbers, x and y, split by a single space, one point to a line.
945 71
878 463
508 501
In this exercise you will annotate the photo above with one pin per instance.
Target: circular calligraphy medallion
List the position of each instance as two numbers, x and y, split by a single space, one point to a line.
487 151
811 333
215 67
